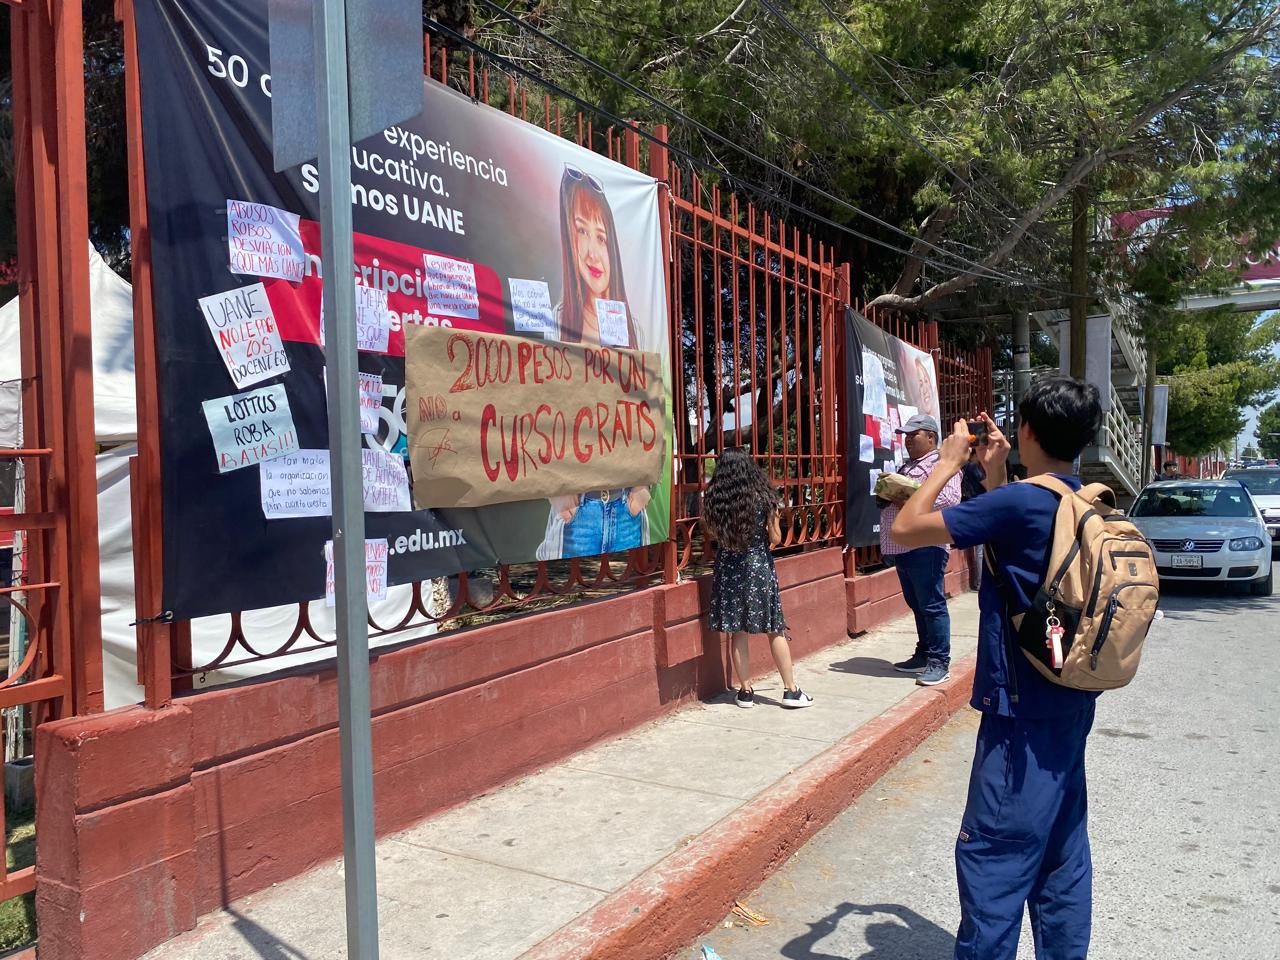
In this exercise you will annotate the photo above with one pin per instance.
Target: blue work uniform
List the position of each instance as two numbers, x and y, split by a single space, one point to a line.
1024 838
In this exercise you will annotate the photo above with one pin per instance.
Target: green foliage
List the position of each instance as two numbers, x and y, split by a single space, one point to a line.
1218 364
1250 452
1268 431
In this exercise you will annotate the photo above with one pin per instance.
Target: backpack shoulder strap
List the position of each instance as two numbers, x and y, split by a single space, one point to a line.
1051 483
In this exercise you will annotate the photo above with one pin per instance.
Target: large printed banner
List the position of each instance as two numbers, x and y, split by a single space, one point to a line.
889 382
470 227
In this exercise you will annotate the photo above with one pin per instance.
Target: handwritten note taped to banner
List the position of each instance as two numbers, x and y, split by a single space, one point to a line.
493 419
296 485
531 307
249 428
375 571
451 287
866 448
264 241
386 484
370 401
244 331
612 317
373 321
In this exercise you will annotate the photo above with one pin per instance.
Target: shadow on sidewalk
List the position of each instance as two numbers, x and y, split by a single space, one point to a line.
912 938
867 667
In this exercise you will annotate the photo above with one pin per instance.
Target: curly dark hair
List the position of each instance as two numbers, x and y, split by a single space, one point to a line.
738 493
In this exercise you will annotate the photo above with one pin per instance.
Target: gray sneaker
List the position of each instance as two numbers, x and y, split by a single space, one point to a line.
916 664
934 674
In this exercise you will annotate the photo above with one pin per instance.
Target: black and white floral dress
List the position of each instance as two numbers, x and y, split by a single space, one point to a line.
744 588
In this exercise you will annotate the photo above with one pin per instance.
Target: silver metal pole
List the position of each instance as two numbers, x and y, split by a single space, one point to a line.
351 613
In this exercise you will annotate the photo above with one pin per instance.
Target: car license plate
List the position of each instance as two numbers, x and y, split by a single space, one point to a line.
1188 560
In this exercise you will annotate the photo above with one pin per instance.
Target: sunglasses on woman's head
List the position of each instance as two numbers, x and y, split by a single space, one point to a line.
576 174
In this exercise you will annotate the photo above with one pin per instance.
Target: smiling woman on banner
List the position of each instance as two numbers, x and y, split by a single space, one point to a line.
596 521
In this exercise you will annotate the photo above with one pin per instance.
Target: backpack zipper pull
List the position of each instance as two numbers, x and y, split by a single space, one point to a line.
1112 603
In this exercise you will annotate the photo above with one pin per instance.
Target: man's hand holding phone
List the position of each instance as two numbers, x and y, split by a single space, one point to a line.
993 453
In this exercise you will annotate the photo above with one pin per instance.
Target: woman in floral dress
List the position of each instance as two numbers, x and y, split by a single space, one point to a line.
740 509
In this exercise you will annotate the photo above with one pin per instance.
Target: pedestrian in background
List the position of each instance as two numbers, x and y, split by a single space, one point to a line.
1024 839
741 510
921 570
1170 471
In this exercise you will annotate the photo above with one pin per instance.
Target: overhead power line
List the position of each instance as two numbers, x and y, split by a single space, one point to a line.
976 269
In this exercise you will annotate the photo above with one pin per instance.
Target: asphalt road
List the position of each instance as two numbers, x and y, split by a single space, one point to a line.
1184 788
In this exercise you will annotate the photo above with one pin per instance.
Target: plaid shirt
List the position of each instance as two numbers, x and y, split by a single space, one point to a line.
916 470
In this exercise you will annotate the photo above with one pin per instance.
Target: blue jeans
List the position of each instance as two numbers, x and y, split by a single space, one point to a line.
920 572
600 527
1024 840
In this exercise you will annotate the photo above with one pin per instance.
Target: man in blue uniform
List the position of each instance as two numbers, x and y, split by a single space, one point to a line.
1024 837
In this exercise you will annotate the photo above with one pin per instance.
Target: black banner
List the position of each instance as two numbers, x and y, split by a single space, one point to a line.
460 218
889 381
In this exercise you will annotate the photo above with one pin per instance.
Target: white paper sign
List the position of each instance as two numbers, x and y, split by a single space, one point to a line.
866 449
296 485
875 475
451 287
370 401
531 306
886 434
249 428
889 466
612 317
375 571
894 420
373 319
386 482
244 331
874 395
264 241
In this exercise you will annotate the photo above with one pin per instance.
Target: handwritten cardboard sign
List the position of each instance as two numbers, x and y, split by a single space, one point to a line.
531 308
375 571
252 427
493 419
245 333
451 287
612 317
264 241
296 485
386 484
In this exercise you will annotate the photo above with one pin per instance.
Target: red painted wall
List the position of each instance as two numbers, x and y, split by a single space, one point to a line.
148 819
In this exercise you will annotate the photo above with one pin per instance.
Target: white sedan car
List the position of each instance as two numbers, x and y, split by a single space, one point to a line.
1263 484
1205 530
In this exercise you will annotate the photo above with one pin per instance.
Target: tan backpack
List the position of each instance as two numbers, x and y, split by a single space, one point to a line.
1101 593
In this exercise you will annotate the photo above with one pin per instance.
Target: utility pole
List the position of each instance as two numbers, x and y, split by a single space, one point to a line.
1079 311
1148 415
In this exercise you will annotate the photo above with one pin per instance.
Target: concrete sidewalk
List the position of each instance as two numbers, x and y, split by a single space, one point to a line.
630 848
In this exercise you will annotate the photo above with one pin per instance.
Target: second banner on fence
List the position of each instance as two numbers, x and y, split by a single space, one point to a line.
888 381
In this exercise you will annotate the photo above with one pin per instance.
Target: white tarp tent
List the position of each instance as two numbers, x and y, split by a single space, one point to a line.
115 421
111 307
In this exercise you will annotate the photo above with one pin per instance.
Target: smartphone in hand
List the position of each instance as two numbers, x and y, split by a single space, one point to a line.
977 433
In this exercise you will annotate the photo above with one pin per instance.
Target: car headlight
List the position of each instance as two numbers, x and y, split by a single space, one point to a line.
1246 543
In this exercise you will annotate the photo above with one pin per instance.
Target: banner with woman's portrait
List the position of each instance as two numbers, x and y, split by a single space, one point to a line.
889 381
511 320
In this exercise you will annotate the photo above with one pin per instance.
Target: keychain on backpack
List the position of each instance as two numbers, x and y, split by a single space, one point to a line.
1054 633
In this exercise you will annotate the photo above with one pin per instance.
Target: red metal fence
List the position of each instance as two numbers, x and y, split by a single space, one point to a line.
56 588
757 327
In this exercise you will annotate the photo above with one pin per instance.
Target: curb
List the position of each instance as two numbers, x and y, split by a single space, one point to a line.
681 897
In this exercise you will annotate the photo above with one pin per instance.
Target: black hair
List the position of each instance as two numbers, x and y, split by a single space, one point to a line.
739 492
1063 414
1171 463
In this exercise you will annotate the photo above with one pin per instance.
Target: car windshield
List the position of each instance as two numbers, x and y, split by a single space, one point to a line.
1262 483
1192 502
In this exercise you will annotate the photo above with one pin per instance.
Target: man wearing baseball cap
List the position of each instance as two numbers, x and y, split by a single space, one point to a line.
921 570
